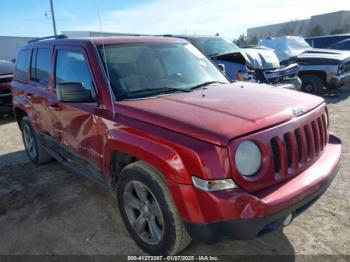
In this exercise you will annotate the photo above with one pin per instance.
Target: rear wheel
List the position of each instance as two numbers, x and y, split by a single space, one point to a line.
35 151
149 212
312 84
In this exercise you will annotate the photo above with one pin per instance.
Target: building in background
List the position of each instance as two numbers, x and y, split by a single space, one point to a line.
10 45
324 24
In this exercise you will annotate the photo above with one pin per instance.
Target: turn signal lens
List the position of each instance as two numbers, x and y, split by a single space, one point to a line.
213 185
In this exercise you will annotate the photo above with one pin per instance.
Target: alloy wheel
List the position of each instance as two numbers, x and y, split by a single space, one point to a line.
29 141
309 88
143 212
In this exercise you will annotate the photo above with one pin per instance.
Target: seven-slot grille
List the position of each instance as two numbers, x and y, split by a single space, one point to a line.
301 146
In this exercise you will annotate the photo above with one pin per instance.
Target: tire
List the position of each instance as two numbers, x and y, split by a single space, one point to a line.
34 149
312 84
173 236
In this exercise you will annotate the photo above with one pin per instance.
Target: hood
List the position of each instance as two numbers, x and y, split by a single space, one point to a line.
296 47
220 113
261 58
336 55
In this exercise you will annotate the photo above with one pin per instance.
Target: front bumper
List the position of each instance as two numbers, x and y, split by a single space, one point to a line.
339 80
237 214
291 84
284 75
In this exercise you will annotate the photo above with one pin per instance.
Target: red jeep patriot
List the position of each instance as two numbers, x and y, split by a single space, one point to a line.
191 155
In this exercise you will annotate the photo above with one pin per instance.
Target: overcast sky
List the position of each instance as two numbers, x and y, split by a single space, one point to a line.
229 18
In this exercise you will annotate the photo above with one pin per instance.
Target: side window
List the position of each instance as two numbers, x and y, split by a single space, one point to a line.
40 66
347 45
22 65
343 46
71 66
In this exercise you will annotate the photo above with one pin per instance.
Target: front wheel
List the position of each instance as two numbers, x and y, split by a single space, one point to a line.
312 84
149 212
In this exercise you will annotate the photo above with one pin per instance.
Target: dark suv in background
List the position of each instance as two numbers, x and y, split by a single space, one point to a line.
342 45
6 76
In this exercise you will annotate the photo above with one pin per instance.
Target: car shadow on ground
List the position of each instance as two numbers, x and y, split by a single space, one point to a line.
7 119
273 244
34 197
338 95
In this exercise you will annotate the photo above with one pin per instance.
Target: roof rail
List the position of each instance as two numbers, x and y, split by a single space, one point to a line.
47 38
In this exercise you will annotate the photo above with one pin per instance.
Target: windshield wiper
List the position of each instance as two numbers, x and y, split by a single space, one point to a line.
152 91
206 84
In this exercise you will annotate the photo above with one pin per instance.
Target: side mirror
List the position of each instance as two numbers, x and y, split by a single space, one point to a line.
221 67
73 92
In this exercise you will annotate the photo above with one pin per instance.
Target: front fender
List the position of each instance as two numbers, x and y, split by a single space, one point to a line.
162 157
177 156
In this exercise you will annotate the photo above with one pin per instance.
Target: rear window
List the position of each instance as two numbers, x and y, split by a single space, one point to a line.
40 66
22 65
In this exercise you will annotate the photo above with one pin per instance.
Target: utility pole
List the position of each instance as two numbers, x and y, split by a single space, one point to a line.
53 18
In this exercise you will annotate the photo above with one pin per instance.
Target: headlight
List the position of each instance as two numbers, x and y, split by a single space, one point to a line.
248 158
213 185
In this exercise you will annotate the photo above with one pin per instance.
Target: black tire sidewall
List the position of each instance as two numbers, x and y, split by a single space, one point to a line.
168 240
316 83
26 121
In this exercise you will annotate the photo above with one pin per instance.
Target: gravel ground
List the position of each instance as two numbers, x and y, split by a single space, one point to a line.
50 210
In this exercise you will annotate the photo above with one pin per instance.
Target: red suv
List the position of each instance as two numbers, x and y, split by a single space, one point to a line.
191 156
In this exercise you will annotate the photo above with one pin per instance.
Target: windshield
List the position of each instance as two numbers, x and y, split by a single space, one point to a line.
213 46
143 69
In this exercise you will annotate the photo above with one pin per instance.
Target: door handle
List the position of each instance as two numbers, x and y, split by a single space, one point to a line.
55 107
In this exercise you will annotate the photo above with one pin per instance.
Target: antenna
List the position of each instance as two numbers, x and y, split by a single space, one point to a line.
105 60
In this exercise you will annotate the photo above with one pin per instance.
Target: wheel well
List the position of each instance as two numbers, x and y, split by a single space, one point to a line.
321 74
119 160
19 114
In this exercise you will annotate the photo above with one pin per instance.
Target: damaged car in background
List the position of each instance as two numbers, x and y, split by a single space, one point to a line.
319 68
250 64
6 76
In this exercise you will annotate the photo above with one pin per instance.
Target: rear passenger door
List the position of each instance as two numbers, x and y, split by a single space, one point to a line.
75 124
39 88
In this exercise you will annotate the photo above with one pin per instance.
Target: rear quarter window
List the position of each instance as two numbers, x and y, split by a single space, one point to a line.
22 65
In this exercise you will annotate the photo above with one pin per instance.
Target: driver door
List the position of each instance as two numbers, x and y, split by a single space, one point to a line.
76 132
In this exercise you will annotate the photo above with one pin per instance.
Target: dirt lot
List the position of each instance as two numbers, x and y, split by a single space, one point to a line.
50 210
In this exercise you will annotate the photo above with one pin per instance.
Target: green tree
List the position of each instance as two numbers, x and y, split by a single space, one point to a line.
316 31
241 41
253 41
